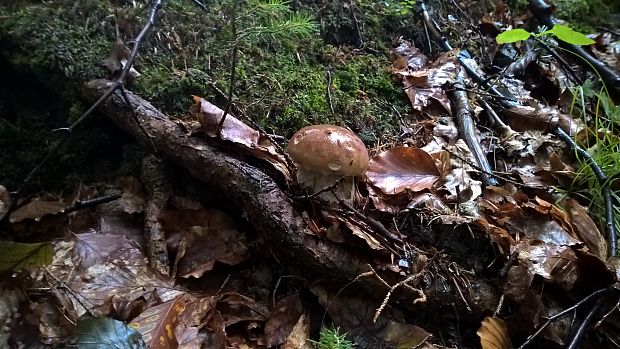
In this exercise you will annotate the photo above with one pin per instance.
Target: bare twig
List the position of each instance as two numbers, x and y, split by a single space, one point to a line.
118 84
328 76
233 68
562 313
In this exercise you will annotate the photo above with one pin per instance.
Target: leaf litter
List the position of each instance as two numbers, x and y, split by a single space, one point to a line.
102 270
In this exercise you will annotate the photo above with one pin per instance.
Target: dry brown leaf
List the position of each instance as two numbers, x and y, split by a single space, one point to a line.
157 324
402 168
36 209
235 131
209 236
298 339
586 229
282 319
493 334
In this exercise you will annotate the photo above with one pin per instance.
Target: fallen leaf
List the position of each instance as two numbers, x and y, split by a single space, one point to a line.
493 334
157 324
17 256
209 236
298 338
586 229
36 209
282 319
557 264
402 168
233 130
97 333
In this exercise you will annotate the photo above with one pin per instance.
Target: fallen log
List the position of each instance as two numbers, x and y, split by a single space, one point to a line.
274 216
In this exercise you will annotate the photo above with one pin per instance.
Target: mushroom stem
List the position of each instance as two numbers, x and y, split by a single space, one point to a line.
316 181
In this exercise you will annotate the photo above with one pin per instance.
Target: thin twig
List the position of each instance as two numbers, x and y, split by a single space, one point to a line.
328 76
467 129
562 313
155 7
233 68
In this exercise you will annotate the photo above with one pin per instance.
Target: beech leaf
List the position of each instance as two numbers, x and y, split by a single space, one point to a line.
402 168
494 334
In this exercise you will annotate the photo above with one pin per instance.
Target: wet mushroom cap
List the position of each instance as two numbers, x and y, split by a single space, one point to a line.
329 150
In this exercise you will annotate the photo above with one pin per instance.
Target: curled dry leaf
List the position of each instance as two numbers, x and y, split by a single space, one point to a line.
402 168
493 334
235 131
423 81
586 229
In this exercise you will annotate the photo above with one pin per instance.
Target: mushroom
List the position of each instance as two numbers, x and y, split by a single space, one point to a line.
326 153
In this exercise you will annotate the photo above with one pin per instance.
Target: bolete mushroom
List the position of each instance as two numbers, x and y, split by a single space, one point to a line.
326 153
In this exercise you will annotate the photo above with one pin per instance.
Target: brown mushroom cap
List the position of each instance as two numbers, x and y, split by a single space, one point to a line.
329 150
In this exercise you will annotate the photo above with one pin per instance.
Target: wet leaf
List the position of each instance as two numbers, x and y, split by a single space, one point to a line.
493 334
16 256
105 333
282 319
209 236
557 264
586 229
36 209
111 272
233 130
402 168
157 324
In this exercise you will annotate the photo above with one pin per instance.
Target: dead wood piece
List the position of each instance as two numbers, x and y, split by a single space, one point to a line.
158 188
272 213
467 129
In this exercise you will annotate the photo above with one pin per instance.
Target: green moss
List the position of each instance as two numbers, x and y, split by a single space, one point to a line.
282 85
54 41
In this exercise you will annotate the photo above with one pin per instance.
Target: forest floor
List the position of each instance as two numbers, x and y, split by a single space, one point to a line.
172 216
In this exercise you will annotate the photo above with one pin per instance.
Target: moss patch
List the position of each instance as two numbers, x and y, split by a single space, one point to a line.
282 84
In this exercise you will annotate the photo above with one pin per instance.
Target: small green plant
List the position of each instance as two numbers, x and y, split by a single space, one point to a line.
561 32
270 20
603 144
333 339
